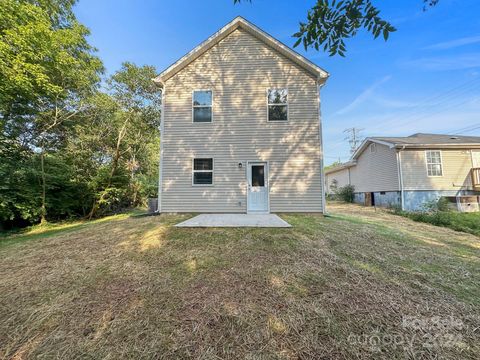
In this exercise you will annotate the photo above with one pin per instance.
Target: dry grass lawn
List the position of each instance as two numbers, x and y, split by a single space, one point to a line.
356 284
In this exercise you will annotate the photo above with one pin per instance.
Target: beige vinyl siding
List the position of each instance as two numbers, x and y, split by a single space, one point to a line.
239 70
375 171
456 165
342 176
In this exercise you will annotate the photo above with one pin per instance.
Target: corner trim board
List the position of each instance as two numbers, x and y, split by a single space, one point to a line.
320 138
160 163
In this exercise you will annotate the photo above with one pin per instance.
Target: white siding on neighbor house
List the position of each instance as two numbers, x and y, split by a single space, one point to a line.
456 166
239 70
375 171
341 176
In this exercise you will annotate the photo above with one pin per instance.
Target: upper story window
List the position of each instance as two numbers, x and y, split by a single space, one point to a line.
277 100
373 147
202 105
202 171
434 162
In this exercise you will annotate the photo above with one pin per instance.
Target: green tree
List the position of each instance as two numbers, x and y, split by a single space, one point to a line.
47 69
129 133
18 186
330 22
67 148
332 165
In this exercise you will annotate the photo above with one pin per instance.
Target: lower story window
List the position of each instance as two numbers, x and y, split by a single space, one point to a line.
203 171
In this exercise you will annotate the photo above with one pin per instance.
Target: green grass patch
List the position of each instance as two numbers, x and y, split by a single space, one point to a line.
466 222
41 231
131 286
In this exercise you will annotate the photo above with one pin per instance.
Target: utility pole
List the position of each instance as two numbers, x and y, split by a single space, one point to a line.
353 137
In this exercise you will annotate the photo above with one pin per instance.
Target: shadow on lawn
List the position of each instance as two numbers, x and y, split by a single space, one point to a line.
50 229
121 287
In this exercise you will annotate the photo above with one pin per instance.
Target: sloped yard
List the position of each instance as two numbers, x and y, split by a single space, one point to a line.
356 284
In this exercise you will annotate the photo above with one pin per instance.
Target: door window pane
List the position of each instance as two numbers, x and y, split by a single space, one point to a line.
258 175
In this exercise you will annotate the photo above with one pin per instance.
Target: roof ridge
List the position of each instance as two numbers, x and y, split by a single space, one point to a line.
254 30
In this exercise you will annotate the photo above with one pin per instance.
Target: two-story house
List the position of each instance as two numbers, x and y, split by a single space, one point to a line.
241 129
413 172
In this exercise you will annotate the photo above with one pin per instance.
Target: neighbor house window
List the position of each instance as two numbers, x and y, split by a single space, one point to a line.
373 147
203 171
434 162
277 104
202 106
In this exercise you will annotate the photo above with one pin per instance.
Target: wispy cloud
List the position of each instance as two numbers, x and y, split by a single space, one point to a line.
364 96
444 63
392 103
454 43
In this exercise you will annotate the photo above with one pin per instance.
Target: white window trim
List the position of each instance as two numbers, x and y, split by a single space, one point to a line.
212 171
287 105
194 106
441 162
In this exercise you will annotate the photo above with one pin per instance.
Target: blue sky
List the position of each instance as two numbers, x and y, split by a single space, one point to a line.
426 78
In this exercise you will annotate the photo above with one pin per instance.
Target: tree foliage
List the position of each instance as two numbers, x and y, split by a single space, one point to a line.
132 106
330 22
68 147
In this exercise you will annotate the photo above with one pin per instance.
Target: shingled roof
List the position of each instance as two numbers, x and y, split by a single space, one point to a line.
429 139
421 140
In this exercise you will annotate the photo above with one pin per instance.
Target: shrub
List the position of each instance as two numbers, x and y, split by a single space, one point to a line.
395 208
442 204
466 222
112 200
345 193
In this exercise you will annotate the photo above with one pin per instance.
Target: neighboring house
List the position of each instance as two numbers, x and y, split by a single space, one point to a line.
240 127
412 172
338 176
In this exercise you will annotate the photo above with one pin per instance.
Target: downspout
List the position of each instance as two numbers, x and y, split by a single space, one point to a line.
320 137
160 163
471 171
400 178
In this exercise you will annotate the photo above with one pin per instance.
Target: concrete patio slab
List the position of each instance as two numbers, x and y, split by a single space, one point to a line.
235 220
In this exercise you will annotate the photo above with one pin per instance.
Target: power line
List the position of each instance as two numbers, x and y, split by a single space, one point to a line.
467 131
451 94
413 114
412 119
353 138
467 128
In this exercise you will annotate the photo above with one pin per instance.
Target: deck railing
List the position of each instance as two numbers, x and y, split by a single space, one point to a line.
476 177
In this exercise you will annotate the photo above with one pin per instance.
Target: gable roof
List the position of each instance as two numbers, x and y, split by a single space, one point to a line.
421 140
339 167
240 22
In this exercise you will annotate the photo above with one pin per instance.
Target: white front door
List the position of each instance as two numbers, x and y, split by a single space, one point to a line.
257 193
